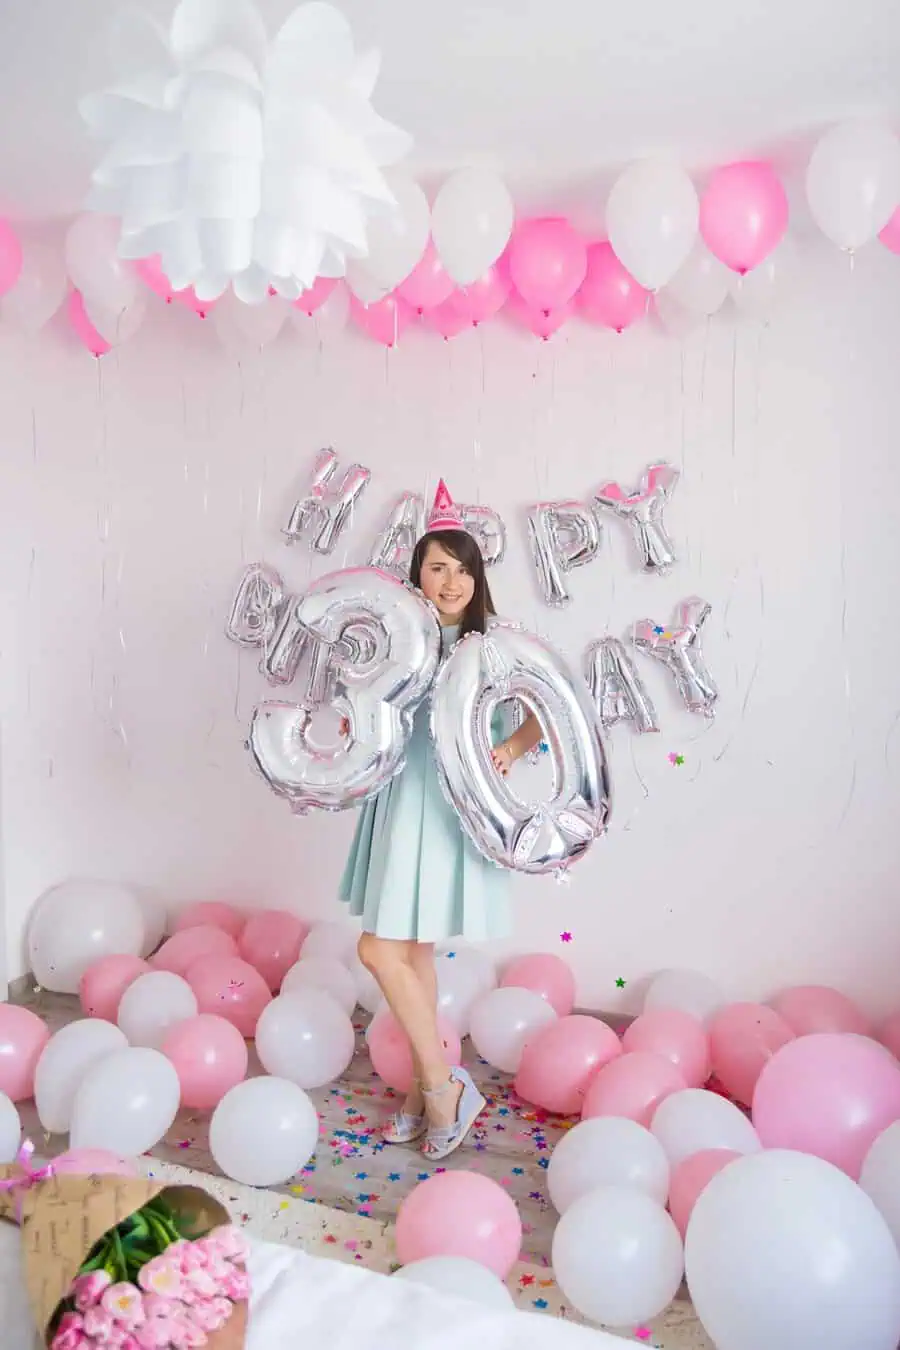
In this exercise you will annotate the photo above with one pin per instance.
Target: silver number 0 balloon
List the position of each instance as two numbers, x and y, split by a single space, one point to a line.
482 672
382 642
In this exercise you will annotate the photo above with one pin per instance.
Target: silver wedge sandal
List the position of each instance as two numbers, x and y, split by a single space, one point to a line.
442 1140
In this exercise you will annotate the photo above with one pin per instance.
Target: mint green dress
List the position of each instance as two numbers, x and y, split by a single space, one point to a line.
412 873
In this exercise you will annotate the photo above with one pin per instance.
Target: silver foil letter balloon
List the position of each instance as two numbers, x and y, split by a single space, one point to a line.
393 548
379 643
481 672
643 511
326 508
487 528
562 536
678 648
257 606
617 690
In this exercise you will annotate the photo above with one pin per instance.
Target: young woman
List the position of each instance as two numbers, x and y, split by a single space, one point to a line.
412 874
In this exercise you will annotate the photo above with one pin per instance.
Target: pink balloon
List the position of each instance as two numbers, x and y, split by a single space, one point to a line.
677 1037
547 262
546 975
209 1055
743 1037
84 330
828 1094
93 1162
10 257
814 1007
483 298
229 988
542 323
315 296
390 1053
151 274
633 1085
460 1214
428 284
23 1036
384 320
188 298
609 293
889 1034
271 942
743 214
446 319
691 1177
102 985
180 951
211 913
560 1061
889 236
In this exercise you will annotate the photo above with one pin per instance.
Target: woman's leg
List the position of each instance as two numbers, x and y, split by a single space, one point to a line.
421 958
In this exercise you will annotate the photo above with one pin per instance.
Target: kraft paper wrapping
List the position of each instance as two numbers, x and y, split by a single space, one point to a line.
63 1217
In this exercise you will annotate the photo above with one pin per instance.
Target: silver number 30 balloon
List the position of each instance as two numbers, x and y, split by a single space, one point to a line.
482 672
382 643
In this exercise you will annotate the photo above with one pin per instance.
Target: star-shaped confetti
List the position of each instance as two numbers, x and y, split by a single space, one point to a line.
565 937
643 1333
658 630
620 983
675 760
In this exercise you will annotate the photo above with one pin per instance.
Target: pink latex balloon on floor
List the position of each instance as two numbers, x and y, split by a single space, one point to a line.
428 284
315 296
633 1085
889 1034
271 942
483 298
547 262
23 1036
559 1063
675 1035
84 330
186 946
814 1007
890 235
609 294
460 1214
691 1177
743 1037
830 1095
102 985
93 1162
390 1052
542 323
229 988
546 975
384 320
213 913
209 1055
10 257
150 272
743 214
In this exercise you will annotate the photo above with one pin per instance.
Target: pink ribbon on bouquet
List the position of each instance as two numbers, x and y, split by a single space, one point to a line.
27 1176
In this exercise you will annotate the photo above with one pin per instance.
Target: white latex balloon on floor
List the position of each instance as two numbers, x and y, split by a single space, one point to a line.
328 938
263 1131
503 1020
152 1005
471 222
652 217
458 1277
880 1177
686 990
10 1130
693 1120
66 1058
74 924
461 981
617 1257
126 1102
325 973
607 1151
853 182
783 1250
306 1037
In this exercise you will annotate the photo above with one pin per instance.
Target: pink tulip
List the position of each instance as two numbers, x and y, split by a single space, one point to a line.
87 1290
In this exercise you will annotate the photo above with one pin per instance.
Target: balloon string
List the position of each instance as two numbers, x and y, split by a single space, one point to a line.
845 648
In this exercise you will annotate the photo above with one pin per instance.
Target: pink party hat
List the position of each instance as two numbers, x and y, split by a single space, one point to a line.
444 515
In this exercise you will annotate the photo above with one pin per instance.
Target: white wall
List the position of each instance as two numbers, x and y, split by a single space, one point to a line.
133 493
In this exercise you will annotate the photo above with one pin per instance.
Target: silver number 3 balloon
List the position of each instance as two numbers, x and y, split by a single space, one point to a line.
381 644
482 672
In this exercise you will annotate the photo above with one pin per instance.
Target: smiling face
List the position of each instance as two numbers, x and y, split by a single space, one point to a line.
446 582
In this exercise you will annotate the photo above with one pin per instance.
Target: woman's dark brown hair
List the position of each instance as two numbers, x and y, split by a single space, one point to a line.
461 546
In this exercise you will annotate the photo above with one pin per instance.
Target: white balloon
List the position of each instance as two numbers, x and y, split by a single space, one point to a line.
156 923
367 288
607 1151
10 1130
396 238
674 319
853 182
471 222
327 323
117 326
503 1021
368 993
880 1177
327 938
74 924
692 1120
701 284
263 1131
240 326
458 1277
40 288
617 1257
325 973
306 1037
126 1103
758 294
152 1005
461 977
686 990
66 1058
783 1250
652 217
94 265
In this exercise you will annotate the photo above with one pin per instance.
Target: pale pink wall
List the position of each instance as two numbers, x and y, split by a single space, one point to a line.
131 497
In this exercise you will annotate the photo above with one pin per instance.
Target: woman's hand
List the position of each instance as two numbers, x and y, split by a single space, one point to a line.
503 758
